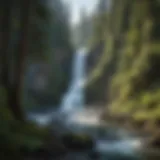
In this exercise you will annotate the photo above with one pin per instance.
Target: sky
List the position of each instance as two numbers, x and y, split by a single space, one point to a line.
76 6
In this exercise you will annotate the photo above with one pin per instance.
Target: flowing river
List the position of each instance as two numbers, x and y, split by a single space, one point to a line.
112 143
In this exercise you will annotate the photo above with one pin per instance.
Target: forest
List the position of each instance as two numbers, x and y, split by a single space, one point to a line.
37 45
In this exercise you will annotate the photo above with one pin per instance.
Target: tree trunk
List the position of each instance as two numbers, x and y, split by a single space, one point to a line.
4 40
14 89
16 92
5 54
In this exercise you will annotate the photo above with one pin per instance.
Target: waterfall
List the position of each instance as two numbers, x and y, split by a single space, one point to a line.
74 97
110 142
73 100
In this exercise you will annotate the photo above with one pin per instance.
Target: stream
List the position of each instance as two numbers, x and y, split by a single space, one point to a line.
111 143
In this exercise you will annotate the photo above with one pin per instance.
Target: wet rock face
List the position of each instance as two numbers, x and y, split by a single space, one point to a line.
47 82
93 56
95 93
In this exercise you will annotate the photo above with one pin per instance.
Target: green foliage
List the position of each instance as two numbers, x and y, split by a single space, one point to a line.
15 135
104 60
135 59
138 80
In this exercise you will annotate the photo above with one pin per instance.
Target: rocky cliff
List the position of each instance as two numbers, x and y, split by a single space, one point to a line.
95 94
49 63
47 82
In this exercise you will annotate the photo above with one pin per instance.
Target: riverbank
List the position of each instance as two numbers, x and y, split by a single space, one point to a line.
55 147
62 144
150 138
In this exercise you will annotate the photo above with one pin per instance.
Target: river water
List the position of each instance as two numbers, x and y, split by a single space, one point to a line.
112 143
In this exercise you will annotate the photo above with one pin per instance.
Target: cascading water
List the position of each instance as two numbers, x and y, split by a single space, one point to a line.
74 98
72 110
73 102
73 106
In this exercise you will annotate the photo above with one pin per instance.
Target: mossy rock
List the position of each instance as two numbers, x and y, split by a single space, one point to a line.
139 124
155 142
78 141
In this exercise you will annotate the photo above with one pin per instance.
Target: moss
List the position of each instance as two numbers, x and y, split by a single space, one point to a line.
131 60
134 83
105 59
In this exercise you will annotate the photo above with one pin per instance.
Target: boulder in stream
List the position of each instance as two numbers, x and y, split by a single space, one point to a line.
155 141
78 141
